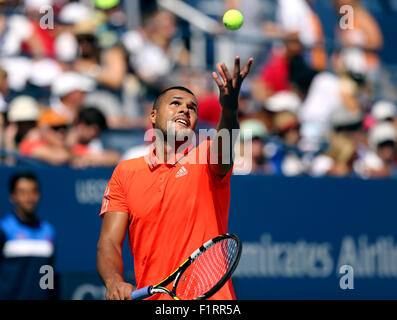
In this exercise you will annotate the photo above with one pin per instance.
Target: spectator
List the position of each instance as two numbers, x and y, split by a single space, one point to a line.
383 111
297 16
108 68
283 152
331 90
3 104
22 116
284 71
339 159
68 93
41 41
281 101
47 143
15 28
250 157
4 90
26 243
112 23
379 162
85 144
351 124
66 45
153 51
365 35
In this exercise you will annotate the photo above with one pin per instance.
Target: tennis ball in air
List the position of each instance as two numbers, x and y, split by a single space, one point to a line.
106 4
233 19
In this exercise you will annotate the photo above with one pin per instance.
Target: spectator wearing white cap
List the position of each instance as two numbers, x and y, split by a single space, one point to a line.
68 92
250 157
380 161
22 116
283 101
384 111
71 14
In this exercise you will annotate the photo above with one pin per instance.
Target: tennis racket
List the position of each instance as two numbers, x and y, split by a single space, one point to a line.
202 274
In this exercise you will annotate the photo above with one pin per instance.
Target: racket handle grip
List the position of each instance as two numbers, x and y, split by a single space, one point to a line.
143 293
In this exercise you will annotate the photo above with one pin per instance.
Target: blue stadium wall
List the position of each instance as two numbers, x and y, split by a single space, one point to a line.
297 233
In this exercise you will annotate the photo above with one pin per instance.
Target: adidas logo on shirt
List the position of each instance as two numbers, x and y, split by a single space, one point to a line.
182 172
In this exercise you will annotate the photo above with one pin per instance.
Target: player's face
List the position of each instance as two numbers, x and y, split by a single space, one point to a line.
177 113
26 197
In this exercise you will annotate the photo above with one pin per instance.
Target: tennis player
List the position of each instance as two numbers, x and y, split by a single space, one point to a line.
169 202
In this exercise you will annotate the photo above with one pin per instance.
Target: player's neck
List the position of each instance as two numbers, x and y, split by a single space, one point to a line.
166 152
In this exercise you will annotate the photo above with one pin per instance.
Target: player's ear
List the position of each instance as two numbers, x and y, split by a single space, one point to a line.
153 115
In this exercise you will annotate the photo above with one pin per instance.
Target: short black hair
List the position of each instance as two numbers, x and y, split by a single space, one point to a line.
92 116
158 99
12 183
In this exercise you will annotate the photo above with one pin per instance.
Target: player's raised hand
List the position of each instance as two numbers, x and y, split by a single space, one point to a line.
229 86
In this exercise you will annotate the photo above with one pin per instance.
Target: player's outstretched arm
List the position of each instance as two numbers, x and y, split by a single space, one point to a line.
229 91
109 256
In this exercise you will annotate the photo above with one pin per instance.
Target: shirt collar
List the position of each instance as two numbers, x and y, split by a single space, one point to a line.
153 161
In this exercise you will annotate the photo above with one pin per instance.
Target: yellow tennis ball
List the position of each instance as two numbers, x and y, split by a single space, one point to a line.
233 19
106 4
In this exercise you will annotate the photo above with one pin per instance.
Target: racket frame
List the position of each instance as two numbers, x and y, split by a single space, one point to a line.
176 275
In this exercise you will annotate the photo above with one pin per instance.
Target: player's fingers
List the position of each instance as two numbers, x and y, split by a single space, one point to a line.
112 295
221 72
121 293
127 292
247 68
236 72
227 73
217 80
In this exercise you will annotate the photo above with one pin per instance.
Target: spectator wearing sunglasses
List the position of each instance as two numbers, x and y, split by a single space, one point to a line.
48 142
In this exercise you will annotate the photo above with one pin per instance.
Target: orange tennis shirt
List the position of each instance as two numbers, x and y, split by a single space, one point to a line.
173 209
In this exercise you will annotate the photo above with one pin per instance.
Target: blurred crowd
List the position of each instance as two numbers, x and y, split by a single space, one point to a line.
311 110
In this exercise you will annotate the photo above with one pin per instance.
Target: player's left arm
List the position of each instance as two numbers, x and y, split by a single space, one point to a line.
229 91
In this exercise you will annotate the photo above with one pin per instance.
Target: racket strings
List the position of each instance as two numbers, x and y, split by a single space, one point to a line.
207 270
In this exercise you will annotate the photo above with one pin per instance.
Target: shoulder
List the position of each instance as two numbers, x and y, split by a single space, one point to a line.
131 165
7 221
126 169
9 225
48 227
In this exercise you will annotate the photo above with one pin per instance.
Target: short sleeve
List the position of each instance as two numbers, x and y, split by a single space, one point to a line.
114 199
